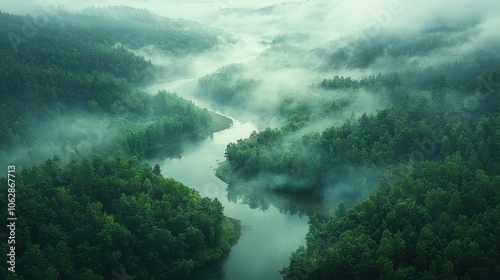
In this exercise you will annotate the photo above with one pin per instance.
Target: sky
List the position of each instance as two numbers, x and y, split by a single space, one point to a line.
327 18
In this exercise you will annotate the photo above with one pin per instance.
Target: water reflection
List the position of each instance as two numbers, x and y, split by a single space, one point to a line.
171 150
287 203
269 237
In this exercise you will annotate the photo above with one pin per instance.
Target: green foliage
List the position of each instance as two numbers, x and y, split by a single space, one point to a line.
227 86
435 215
71 91
160 119
428 225
410 130
104 215
137 28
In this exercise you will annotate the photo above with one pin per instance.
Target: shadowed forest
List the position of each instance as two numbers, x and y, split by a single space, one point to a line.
385 137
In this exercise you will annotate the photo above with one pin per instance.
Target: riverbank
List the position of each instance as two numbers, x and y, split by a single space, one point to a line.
219 123
272 233
222 172
172 148
231 233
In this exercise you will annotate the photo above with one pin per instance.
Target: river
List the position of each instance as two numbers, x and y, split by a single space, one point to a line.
268 237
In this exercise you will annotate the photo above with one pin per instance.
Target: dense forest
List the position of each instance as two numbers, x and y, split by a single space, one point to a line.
434 214
141 27
434 146
73 119
88 219
388 142
438 220
227 86
65 75
380 139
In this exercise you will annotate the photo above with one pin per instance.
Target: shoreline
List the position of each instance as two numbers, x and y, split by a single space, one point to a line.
219 123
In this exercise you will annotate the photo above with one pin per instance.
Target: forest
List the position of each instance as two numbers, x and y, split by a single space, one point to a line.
384 138
438 220
64 76
88 219
375 151
73 119
432 214
422 172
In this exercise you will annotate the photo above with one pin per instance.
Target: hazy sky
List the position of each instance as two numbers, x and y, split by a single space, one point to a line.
175 8
326 17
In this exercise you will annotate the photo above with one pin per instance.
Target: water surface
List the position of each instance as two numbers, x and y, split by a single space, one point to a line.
269 237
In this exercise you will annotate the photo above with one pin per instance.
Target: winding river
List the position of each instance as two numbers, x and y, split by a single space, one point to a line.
268 237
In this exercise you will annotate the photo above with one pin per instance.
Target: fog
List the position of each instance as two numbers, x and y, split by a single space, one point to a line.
328 18
69 137
306 69
325 26
309 31
288 47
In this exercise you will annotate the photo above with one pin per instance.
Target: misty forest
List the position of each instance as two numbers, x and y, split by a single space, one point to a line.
250 140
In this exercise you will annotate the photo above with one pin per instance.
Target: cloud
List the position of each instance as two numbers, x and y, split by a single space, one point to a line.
285 45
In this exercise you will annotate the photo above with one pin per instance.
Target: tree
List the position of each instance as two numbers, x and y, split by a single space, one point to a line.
157 169
72 230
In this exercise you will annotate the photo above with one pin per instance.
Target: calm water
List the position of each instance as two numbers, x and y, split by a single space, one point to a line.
269 237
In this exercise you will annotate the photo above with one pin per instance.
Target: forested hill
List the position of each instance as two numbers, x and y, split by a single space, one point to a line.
419 124
137 28
72 122
67 88
421 173
132 27
98 218
438 220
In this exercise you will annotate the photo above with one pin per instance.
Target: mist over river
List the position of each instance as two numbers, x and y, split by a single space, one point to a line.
250 140
268 237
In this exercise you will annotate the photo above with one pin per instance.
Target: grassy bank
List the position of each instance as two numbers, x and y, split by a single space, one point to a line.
219 123
231 232
223 172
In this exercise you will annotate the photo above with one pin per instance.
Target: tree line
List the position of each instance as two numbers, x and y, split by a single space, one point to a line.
93 210
87 219
434 214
